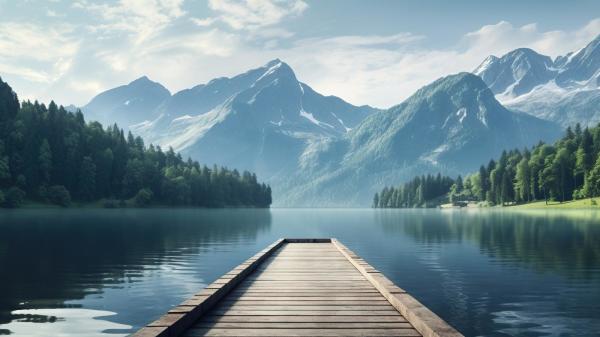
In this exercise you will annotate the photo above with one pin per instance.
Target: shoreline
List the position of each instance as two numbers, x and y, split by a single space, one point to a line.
101 205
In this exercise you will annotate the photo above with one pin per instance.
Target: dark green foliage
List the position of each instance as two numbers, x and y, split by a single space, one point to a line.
87 179
419 192
58 195
143 198
47 146
14 197
569 169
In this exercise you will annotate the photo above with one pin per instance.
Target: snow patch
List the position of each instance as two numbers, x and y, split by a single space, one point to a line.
481 114
270 71
341 122
485 65
309 116
280 123
184 117
461 113
433 156
313 120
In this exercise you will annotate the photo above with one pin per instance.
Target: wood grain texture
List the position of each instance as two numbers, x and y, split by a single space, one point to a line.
300 287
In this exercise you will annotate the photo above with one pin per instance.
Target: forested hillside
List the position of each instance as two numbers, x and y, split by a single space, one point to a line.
569 169
49 155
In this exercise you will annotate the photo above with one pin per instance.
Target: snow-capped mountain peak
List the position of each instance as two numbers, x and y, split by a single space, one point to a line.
515 73
566 90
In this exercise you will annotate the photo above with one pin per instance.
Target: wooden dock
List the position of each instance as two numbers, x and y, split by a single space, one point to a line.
301 287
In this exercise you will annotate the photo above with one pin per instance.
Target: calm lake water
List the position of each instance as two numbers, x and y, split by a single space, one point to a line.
488 273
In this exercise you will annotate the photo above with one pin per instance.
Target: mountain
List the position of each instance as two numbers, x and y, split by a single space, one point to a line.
451 125
566 90
517 72
262 119
204 97
127 104
317 150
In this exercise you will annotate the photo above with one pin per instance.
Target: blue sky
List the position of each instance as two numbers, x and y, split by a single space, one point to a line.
367 52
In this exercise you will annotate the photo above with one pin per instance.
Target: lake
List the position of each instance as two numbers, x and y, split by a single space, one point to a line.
102 272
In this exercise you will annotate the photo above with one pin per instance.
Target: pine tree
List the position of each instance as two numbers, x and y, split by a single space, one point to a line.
45 162
87 179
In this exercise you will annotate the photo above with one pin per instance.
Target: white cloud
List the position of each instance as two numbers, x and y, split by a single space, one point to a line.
122 40
503 37
384 70
254 14
204 22
39 54
141 19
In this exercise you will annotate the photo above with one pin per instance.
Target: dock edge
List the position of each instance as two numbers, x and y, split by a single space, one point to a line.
183 316
423 320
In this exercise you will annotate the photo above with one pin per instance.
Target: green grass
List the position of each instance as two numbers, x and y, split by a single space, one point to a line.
573 204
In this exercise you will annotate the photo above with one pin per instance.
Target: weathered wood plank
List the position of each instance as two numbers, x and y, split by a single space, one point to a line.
267 298
290 307
302 325
300 287
335 293
302 332
305 312
330 302
321 318
423 319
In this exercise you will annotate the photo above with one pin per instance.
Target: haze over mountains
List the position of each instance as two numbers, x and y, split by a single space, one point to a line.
319 150
451 125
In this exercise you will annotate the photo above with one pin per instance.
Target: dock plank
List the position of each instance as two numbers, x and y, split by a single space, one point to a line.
302 332
301 287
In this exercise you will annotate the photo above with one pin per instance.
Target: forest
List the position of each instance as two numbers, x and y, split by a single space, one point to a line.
567 170
51 156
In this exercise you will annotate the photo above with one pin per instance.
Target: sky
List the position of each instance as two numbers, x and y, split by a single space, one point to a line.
366 52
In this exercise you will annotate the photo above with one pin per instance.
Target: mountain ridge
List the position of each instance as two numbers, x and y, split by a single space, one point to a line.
565 90
450 125
319 150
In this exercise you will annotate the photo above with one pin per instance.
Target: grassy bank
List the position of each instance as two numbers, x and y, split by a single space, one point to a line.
590 203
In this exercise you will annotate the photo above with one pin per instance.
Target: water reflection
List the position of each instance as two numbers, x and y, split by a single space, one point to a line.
489 273
51 258
568 243
504 273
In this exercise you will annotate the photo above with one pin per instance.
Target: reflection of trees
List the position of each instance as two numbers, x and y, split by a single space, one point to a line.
56 255
547 241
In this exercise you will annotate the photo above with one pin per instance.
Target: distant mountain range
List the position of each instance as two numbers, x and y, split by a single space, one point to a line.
319 150
450 126
261 120
565 90
127 104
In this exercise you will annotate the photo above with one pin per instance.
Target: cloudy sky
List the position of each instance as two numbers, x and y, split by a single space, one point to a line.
367 52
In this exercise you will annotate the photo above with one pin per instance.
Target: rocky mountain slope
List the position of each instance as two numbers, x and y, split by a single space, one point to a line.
566 90
452 125
318 150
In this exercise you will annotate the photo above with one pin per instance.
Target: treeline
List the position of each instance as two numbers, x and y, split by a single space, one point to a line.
567 170
50 155
421 191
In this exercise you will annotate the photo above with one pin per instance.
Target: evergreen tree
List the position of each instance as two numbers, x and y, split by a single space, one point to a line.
87 179
52 153
45 162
